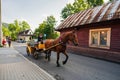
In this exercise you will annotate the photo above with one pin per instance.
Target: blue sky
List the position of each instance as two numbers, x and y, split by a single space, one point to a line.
32 11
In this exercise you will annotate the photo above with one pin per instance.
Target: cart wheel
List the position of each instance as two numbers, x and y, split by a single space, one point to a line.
27 51
35 55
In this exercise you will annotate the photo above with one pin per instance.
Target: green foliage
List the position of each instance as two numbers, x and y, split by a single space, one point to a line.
5 30
47 27
25 26
1 45
94 3
13 29
67 10
110 0
79 5
55 35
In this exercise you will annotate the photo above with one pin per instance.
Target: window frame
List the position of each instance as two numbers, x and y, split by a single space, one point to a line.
98 45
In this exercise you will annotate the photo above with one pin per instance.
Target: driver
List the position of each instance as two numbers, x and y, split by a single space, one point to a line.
40 38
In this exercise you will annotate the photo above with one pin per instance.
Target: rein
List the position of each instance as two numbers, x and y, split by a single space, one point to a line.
54 46
61 40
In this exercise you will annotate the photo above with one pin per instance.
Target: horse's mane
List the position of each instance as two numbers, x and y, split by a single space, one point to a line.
64 34
61 36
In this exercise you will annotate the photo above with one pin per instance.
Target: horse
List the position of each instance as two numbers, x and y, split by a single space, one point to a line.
61 44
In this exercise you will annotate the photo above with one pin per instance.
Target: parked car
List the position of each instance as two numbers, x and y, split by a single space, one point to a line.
21 41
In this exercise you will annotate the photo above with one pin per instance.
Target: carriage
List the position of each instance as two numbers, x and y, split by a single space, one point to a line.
35 49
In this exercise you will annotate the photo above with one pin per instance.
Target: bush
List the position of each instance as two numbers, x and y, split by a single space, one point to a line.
1 45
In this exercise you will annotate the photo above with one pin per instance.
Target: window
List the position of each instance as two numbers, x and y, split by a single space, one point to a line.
100 38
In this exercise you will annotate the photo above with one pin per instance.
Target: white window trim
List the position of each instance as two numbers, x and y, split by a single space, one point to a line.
108 38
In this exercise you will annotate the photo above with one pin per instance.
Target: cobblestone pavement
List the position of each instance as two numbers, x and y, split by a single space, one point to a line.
13 66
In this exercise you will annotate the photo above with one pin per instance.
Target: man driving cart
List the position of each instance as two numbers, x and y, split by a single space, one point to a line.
40 38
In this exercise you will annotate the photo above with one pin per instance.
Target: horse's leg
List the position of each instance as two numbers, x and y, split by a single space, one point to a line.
58 55
64 62
46 53
49 54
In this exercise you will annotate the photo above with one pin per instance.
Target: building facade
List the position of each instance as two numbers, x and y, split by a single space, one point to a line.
98 31
25 35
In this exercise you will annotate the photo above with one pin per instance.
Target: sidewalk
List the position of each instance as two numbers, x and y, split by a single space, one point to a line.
13 66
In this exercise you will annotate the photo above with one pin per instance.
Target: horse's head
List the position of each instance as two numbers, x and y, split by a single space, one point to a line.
73 38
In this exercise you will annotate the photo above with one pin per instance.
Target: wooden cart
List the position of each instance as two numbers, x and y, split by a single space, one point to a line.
35 49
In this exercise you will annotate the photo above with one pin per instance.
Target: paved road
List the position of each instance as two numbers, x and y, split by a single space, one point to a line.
77 68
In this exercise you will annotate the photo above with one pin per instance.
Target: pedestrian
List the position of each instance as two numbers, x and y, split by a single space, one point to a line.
9 41
4 42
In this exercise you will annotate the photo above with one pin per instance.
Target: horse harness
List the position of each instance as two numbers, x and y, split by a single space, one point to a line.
59 43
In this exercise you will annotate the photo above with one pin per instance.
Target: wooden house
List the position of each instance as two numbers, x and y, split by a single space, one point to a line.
98 31
25 35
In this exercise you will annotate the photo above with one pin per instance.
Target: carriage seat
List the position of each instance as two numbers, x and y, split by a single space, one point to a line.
31 43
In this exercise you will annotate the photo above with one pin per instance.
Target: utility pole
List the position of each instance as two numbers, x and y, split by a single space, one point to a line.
0 24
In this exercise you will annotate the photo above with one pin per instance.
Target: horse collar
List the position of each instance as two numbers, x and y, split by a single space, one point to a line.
62 43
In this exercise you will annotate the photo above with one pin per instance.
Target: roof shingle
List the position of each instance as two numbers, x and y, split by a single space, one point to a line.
105 12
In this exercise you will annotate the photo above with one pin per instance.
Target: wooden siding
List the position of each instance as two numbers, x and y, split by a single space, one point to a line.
112 54
83 37
96 53
115 38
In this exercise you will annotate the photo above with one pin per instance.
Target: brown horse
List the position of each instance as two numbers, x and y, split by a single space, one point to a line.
61 47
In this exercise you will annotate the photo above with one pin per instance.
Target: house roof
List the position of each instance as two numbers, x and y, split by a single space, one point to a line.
25 33
105 12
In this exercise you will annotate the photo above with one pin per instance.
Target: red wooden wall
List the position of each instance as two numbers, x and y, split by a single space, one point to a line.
115 38
83 37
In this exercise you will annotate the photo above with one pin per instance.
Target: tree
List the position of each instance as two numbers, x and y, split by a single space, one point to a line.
67 10
112 0
94 3
13 30
47 27
40 29
24 25
79 5
5 31
17 27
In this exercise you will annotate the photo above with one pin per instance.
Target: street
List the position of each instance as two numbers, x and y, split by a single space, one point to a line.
77 68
